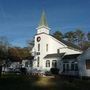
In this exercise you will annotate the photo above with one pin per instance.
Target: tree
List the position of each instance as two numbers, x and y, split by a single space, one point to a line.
88 36
58 35
4 44
13 54
30 44
18 54
85 45
70 36
79 35
24 53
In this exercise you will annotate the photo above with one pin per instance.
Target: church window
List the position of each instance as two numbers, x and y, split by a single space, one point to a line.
46 47
38 61
76 67
65 67
38 47
47 63
54 64
58 51
72 67
88 64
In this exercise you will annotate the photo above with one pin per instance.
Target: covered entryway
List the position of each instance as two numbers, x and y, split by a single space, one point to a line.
70 65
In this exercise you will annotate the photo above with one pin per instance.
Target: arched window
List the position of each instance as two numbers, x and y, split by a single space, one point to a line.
38 61
54 64
47 63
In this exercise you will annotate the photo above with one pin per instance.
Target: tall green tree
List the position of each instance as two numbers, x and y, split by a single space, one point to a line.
70 36
58 35
79 35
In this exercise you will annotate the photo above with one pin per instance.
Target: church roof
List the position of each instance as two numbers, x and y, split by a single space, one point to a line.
86 52
71 45
54 55
43 21
71 56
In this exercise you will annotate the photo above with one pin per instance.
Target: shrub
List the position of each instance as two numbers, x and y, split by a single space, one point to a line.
48 73
23 71
54 70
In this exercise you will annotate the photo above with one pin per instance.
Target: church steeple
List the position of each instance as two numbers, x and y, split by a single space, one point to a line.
43 26
43 21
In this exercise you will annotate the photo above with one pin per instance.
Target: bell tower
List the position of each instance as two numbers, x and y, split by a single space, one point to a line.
43 26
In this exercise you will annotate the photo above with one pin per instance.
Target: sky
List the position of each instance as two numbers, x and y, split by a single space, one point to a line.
20 18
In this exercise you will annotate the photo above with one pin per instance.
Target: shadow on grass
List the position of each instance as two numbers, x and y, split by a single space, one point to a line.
71 83
15 82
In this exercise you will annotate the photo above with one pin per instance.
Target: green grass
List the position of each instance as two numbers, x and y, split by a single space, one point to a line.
15 82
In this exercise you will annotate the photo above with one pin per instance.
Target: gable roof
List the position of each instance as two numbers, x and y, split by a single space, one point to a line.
70 45
84 53
67 43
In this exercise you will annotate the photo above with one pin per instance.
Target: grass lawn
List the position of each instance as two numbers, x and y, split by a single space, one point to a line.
14 82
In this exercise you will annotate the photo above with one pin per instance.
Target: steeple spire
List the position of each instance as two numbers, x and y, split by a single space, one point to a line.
43 21
43 26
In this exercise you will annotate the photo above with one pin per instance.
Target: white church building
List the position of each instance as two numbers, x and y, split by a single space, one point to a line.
50 53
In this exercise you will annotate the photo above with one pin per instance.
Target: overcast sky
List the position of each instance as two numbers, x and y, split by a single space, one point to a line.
20 18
